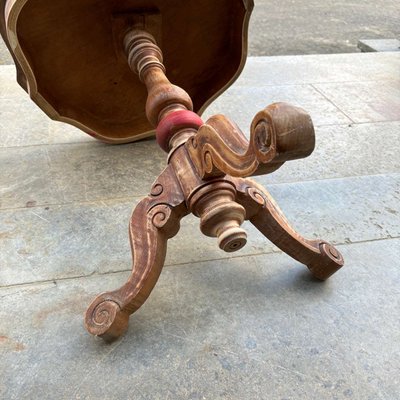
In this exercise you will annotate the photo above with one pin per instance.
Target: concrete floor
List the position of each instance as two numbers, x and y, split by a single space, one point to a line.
320 27
287 27
248 325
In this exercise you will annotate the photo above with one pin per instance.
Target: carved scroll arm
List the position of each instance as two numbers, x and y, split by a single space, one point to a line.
322 259
155 219
279 133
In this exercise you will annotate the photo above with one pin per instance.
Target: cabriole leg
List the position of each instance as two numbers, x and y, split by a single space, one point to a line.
322 259
154 220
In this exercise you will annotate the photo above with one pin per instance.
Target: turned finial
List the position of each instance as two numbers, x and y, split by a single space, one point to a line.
220 215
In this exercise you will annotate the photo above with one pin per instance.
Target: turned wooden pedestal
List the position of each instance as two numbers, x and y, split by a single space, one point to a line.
75 59
207 164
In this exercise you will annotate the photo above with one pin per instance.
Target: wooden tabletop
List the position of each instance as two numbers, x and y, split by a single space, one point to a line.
70 59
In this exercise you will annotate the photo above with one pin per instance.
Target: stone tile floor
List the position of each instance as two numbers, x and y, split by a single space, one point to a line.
248 325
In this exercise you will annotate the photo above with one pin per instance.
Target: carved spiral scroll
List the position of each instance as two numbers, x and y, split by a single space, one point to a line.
160 215
156 189
256 196
105 318
319 256
279 133
154 220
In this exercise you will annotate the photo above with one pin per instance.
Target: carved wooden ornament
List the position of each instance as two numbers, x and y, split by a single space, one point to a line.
207 164
84 77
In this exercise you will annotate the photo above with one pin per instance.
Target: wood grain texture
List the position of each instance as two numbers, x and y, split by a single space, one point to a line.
154 220
205 166
168 107
322 259
279 133
74 69
206 162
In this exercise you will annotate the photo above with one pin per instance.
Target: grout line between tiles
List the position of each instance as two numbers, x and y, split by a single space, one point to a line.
140 196
330 101
188 263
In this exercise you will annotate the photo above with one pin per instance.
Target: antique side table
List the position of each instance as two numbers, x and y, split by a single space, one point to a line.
102 66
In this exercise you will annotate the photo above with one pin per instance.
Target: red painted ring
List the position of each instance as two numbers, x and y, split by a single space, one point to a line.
174 122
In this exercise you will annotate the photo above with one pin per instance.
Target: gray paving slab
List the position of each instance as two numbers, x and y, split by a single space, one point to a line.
59 174
294 70
316 27
243 103
5 56
259 73
8 82
343 151
247 328
311 27
365 101
39 244
367 45
240 103
22 123
244 326
77 172
26 175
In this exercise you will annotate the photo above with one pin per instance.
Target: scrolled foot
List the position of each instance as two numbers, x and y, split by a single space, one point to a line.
327 263
105 318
